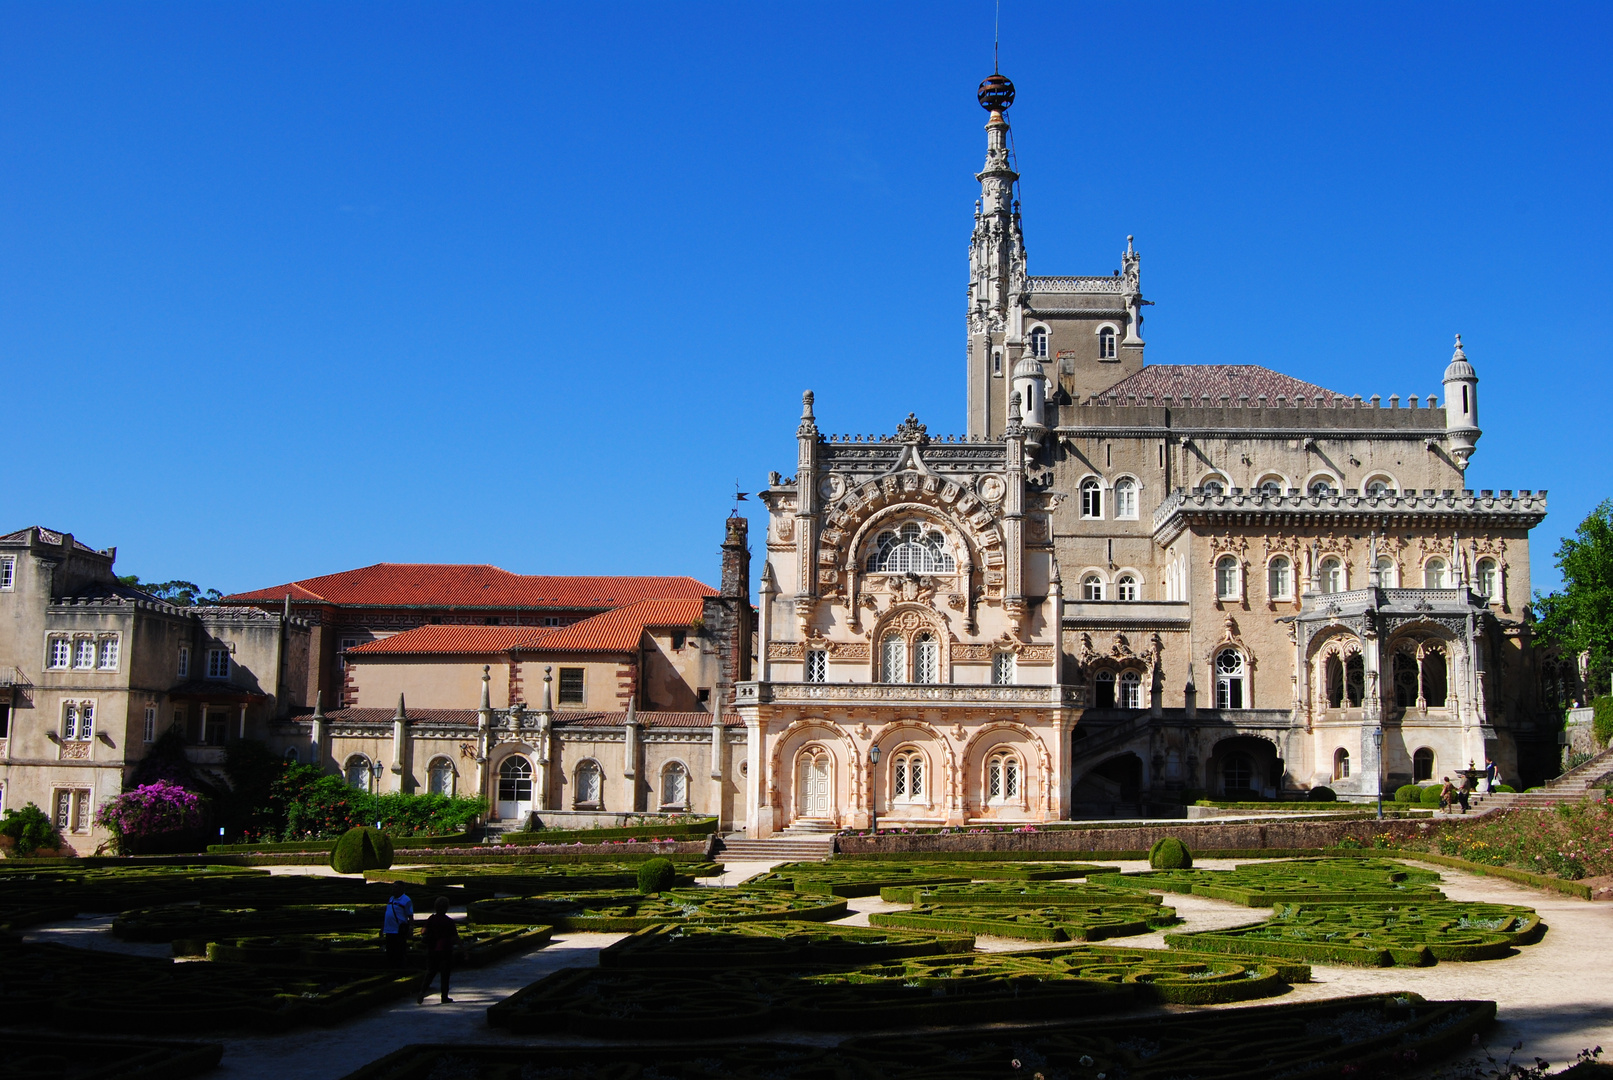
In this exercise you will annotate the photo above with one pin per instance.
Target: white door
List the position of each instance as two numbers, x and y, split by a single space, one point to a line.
514 788
815 786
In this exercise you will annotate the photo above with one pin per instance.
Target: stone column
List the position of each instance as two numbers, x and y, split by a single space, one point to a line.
400 747
630 741
316 732
545 721
716 771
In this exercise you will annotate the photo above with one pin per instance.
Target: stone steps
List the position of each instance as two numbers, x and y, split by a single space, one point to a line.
775 849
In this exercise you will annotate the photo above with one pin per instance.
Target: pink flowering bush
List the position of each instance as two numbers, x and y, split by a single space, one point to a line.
153 815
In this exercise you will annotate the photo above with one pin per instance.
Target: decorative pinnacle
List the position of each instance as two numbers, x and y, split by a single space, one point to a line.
1459 351
996 93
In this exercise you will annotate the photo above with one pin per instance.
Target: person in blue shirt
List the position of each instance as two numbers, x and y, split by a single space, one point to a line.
397 924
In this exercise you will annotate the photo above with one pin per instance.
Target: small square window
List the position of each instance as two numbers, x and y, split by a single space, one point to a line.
109 654
704 694
549 620
491 620
8 571
679 639
218 663
571 686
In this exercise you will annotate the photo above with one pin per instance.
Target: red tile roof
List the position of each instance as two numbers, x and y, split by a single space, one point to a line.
1196 380
618 631
452 585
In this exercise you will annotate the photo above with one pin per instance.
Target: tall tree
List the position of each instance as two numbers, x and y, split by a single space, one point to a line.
1578 619
178 593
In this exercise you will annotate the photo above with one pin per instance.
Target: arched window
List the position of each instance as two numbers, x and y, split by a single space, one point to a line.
1103 690
1434 574
1484 578
1226 577
1422 765
1214 485
1405 680
1106 343
915 548
1002 668
1002 777
1324 485
893 659
1378 486
926 659
440 777
1345 681
1237 773
1333 676
1271 485
1332 575
515 780
292 755
1126 499
1280 578
1131 690
1092 587
1434 680
674 786
1230 691
1341 764
1092 497
1355 680
1128 587
907 776
590 784
1039 341
1388 573
357 771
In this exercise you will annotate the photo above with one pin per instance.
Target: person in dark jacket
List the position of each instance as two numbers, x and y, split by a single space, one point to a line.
440 936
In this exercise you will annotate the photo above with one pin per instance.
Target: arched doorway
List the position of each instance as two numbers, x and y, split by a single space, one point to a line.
514 788
1244 767
1112 788
813 791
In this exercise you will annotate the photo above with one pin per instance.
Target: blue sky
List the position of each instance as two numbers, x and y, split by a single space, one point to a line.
287 289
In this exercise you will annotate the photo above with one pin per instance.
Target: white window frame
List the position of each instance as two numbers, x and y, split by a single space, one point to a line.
1390 484
1005 778
1108 336
435 768
1274 480
78 721
1128 588
926 659
1388 573
8 572
1038 340
1091 498
1227 679
1228 578
816 669
353 762
1214 484
70 810
668 771
1436 565
1325 573
1334 487
1285 589
184 662
83 653
1486 590
58 652
1093 587
593 769
892 659
909 775
149 733
1341 763
218 664
1004 667
1129 689
107 650
1127 491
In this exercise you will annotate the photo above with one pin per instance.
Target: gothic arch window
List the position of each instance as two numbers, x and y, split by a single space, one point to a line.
357 772
892 659
1332 574
1103 690
908 777
589 788
1484 578
1126 588
1388 573
1345 680
1004 777
1106 342
440 777
1421 674
1435 677
1126 499
1227 578
1406 681
1131 690
1214 484
1422 765
1341 764
1092 498
1092 587
674 786
1038 347
926 659
1231 680
1434 576
914 548
1002 668
1280 578
1271 484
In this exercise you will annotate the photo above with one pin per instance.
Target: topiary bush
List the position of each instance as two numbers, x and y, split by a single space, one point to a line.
1430 796
361 849
1321 793
1501 789
29 830
1169 853
656 876
1409 793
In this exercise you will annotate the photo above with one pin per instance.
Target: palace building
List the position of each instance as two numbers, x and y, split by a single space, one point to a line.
1127 584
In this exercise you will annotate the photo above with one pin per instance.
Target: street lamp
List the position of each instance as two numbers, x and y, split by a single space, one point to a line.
1377 748
873 778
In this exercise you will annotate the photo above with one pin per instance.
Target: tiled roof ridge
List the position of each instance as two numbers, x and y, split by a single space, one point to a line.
477 585
49 536
1195 381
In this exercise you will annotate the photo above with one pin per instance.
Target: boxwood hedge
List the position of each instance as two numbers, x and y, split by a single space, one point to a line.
1049 923
612 911
774 944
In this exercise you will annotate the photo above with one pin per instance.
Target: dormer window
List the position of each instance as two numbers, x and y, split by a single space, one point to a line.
915 548
1039 341
1106 343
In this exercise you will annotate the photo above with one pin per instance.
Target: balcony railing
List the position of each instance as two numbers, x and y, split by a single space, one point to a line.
908 694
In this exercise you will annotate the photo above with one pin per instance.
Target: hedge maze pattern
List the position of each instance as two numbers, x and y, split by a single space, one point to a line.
1065 922
1377 935
774 944
867 878
1295 881
1043 893
606 911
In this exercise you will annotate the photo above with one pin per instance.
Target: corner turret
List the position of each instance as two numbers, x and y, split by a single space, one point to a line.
1461 407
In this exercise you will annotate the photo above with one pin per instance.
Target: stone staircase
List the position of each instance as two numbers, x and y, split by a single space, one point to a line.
802 841
1572 786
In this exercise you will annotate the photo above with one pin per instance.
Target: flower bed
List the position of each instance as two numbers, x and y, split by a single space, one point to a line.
774 945
612 911
1570 840
1376 935
1065 922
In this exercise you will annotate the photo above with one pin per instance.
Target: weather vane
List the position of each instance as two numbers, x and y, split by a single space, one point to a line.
739 497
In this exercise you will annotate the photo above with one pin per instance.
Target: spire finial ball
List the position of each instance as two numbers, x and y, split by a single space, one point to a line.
996 93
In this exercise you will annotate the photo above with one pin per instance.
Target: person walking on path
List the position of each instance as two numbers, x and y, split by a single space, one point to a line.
396 925
1461 797
1489 776
1445 795
440 936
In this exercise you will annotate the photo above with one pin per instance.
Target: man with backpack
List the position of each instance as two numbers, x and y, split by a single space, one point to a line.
397 924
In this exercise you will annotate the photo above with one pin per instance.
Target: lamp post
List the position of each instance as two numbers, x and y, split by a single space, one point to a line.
1377 748
873 778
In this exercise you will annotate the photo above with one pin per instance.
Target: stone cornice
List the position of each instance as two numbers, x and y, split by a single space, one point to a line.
1463 510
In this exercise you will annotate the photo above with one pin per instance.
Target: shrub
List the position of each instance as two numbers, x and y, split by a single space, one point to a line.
29 830
1602 719
1169 853
1351 843
1409 793
159 815
1430 796
362 849
656 876
1504 789
1321 794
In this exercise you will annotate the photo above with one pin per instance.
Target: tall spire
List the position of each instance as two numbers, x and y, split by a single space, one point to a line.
996 262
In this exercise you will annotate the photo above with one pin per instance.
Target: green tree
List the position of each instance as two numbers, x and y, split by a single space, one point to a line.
1578 619
178 593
